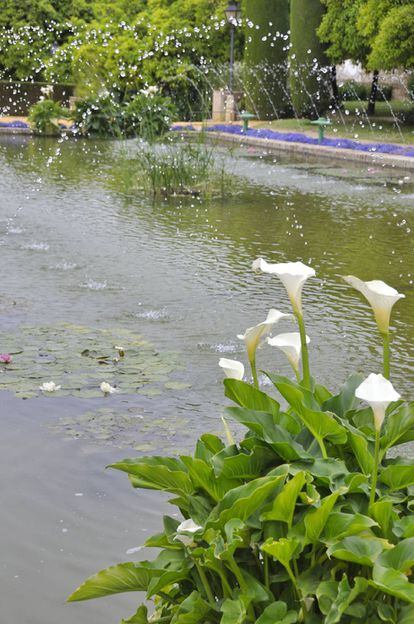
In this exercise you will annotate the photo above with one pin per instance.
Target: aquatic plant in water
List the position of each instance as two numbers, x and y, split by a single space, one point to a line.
305 519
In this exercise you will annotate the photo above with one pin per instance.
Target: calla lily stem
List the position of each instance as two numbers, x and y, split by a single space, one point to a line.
375 470
205 584
386 355
305 353
254 372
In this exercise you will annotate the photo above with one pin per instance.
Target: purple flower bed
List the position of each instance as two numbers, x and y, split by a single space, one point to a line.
297 137
14 124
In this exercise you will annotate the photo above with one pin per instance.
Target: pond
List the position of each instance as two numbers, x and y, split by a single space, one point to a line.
88 265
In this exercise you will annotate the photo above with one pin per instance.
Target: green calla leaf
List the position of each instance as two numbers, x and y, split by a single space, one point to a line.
241 502
117 579
407 615
234 611
344 598
248 396
277 612
383 513
167 578
244 465
315 520
397 477
396 425
204 478
340 525
283 550
283 506
193 610
140 617
157 473
362 550
345 400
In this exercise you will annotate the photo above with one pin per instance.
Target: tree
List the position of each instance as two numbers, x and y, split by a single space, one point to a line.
394 44
309 71
266 55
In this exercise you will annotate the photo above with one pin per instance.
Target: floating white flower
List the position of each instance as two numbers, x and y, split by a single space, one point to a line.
185 532
106 388
378 392
232 368
254 335
291 346
293 276
381 297
49 386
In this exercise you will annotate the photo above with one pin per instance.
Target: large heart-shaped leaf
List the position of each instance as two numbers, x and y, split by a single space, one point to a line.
283 550
397 476
362 550
117 579
157 473
234 611
277 612
396 425
340 525
345 400
241 502
283 507
193 610
140 617
316 519
247 465
204 478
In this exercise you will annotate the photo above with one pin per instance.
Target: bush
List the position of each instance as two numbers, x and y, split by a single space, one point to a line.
410 87
44 117
351 90
148 116
99 116
305 519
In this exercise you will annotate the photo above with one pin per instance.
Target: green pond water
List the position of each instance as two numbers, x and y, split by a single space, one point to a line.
88 265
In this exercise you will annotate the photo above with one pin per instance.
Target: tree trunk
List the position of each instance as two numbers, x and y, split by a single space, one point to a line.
336 100
373 94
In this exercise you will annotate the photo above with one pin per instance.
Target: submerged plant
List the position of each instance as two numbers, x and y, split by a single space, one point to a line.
307 518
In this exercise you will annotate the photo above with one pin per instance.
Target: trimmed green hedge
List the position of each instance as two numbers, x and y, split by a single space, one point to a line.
266 59
309 87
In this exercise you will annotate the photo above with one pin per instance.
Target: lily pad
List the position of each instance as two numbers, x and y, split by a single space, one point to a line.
80 358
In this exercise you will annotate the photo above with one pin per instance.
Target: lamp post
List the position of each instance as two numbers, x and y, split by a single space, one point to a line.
233 14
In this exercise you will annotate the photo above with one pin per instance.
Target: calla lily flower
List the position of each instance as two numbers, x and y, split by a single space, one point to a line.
49 386
381 297
291 346
185 532
232 368
378 392
293 276
106 388
254 335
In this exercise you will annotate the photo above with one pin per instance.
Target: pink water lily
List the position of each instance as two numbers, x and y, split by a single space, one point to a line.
6 358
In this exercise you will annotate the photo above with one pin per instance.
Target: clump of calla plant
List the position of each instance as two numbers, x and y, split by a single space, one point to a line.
305 519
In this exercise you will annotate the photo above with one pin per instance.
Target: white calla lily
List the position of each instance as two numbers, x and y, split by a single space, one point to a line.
253 336
378 392
381 297
293 276
185 532
188 526
291 345
232 368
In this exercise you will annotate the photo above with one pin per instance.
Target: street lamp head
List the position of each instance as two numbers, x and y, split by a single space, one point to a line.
233 12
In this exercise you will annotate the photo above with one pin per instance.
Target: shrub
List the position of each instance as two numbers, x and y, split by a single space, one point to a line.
99 116
305 519
351 90
148 116
44 117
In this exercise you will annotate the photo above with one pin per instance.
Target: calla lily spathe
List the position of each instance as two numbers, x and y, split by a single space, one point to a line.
381 297
232 368
378 392
293 276
254 335
185 532
290 344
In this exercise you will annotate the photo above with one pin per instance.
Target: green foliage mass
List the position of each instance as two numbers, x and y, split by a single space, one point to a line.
338 29
394 44
45 116
309 76
266 54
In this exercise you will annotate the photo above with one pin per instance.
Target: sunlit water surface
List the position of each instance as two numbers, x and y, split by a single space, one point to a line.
80 247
